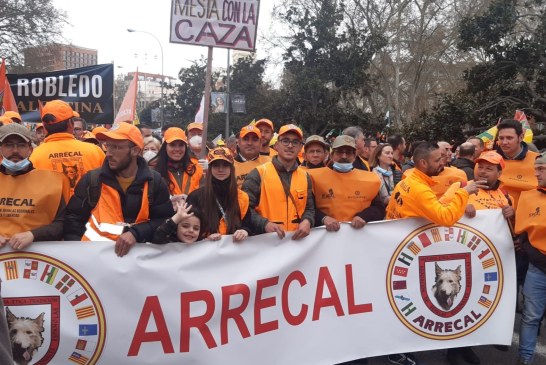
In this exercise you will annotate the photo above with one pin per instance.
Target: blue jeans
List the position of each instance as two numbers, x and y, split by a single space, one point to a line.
534 294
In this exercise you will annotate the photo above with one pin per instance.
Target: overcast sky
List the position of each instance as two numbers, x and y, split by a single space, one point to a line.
102 25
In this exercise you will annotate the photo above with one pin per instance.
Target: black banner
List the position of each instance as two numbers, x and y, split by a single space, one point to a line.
238 103
89 90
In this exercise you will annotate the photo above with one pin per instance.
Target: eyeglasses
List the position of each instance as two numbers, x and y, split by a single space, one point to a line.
115 147
287 142
11 146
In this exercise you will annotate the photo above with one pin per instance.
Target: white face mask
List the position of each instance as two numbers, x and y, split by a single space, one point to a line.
148 155
195 141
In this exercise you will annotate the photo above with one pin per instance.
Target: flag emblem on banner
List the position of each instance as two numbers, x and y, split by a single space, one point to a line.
48 276
31 270
64 284
87 330
85 312
78 358
10 268
77 297
490 276
485 302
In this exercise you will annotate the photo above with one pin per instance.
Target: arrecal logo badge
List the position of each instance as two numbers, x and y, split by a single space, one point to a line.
444 283
36 334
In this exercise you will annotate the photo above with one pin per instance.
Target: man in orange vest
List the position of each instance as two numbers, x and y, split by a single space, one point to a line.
61 151
280 193
32 201
266 131
249 157
518 175
123 201
531 224
335 202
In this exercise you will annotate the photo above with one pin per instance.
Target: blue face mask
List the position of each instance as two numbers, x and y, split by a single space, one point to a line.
384 172
342 166
15 166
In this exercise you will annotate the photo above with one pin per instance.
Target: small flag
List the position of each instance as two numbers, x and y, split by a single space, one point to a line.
217 139
399 285
414 248
31 270
200 115
400 271
424 239
49 274
488 263
486 289
77 297
87 330
85 345
484 302
85 312
81 345
78 358
64 284
10 268
490 276
436 235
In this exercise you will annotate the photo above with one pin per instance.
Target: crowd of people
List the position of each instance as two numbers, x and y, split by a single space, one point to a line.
127 186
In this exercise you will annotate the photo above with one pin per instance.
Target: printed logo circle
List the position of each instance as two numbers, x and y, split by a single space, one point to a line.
36 334
441 295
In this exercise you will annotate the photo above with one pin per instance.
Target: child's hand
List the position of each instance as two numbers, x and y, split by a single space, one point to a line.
214 237
181 212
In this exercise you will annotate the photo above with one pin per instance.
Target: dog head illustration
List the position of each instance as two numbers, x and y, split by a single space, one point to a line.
447 285
71 172
25 336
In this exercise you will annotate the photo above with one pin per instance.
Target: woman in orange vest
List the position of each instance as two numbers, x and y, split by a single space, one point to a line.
223 206
174 164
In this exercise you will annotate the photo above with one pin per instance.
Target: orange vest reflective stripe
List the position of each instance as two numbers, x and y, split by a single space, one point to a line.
343 195
243 168
519 175
106 222
31 200
530 215
185 188
242 198
274 204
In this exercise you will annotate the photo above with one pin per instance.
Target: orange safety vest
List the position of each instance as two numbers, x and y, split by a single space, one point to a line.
188 183
530 218
106 222
31 200
519 175
63 153
489 199
413 197
343 195
274 204
243 168
243 200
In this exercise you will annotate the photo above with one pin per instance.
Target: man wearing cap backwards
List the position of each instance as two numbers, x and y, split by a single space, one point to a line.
266 131
249 157
32 201
531 224
133 200
280 193
334 202
518 175
315 152
61 151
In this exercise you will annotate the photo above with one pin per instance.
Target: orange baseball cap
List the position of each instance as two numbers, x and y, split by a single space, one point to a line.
88 135
123 131
39 125
247 129
60 110
291 128
175 134
5 120
492 157
220 153
266 122
99 129
13 115
194 125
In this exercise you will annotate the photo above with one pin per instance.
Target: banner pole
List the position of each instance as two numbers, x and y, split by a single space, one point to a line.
228 101
208 79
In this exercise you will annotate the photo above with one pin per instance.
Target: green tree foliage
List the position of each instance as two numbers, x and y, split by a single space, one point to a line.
27 23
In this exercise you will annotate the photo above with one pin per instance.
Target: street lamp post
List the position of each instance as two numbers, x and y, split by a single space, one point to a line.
162 106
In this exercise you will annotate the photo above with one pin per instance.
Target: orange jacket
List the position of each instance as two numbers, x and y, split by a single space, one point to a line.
243 168
530 215
343 195
31 200
414 197
274 204
105 220
187 183
63 153
242 197
490 199
446 178
519 175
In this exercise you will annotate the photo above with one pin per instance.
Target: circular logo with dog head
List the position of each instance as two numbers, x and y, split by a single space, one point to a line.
444 283
41 293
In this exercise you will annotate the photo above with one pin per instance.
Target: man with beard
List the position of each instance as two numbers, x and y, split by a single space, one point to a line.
123 201
333 203
266 130
249 157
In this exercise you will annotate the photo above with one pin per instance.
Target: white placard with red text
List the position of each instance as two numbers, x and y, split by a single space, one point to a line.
391 287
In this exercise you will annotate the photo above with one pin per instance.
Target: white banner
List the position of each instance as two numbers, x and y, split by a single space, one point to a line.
391 287
216 23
